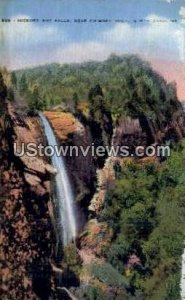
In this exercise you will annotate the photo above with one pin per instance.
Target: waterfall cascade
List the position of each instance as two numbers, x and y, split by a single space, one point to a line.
63 192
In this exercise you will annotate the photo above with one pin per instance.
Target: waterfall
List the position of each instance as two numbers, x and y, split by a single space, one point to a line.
63 192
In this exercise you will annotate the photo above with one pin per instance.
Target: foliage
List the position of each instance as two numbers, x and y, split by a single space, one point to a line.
35 103
71 259
3 88
3 93
23 84
10 94
146 208
13 79
146 211
93 293
107 274
128 85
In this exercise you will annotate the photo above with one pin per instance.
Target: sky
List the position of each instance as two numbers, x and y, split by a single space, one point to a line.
37 43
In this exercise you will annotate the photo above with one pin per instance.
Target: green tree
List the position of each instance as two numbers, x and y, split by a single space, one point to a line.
95 98
23 87
10 94
14 79
3 93
76 100
35 101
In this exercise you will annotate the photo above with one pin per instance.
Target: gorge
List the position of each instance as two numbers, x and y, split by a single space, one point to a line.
127 237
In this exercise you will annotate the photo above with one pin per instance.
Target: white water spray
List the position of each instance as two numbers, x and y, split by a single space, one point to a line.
64 195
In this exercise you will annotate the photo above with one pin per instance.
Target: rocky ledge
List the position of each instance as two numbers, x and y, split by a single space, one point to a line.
27 239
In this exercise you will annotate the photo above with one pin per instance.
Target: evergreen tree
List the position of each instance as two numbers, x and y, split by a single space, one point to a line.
13 79
99 114
35 102
3 93
75 99
23 84
10 94
3 89
96 97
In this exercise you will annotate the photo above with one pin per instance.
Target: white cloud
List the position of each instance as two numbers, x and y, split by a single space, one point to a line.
118 33
169 1
19 39
182 11
154 39
17 34
151 40
80 52
182 15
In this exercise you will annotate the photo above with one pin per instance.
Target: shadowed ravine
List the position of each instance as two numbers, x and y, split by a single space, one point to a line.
63 193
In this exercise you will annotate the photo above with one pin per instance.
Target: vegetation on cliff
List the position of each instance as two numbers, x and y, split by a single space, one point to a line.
146 212
129 84
3 93
138 236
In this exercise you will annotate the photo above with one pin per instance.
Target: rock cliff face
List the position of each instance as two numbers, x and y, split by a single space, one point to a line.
81 169
142 131
26 237
129 132
91 175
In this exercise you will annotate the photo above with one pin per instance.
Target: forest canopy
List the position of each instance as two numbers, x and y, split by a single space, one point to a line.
129 84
